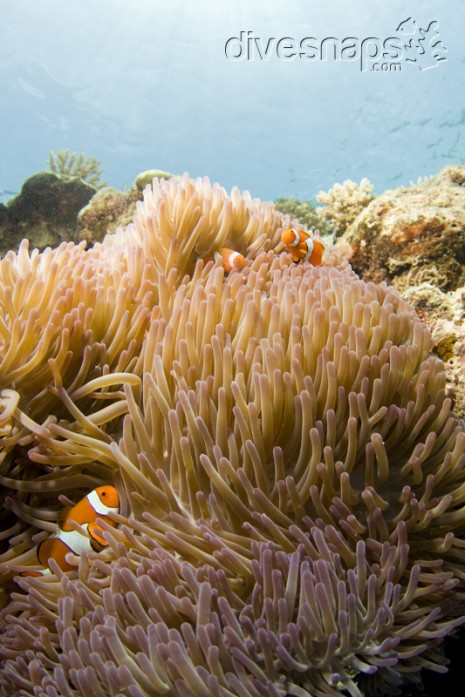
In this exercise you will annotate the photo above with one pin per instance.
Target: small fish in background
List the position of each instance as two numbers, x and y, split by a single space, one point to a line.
229 258
98 504
302 246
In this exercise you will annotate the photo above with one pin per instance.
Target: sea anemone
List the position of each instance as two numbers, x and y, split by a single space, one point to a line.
292 475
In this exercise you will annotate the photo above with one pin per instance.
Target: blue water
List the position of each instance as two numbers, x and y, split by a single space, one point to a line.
146 84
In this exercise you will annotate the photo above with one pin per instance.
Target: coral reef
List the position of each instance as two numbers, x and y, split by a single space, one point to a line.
111 208
145 178
68 165
413 235
107 210
444 314
45 210
291 474
52 208
306 213
344 202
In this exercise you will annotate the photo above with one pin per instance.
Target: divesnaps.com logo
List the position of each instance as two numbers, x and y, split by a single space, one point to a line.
411 45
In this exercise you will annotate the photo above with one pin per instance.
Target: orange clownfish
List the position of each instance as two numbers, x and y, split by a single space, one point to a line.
302 246
98 504
229 258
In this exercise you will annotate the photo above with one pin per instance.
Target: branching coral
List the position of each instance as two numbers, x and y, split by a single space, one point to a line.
344 203
292 474
68 164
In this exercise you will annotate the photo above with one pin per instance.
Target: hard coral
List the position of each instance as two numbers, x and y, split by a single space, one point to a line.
292 472
306 213
46 209
409 234
110 208
68 165
146 178
107 210
344 202
444 314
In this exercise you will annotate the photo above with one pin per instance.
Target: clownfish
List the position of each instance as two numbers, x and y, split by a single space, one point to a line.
229 258
302 246
98 504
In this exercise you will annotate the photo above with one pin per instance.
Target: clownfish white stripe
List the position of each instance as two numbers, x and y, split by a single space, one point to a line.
73 539
98 505
233 256
309 243
296 240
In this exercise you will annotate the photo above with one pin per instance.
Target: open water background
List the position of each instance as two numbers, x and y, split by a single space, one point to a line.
146 84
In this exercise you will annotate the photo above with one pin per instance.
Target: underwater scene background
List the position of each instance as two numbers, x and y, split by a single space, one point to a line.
232 349
147 84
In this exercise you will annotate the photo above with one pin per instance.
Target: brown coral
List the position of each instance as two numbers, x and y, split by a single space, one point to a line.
107 210
404 230
46 210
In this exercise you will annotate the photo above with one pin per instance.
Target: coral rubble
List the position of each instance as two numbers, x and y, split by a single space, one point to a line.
290 470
